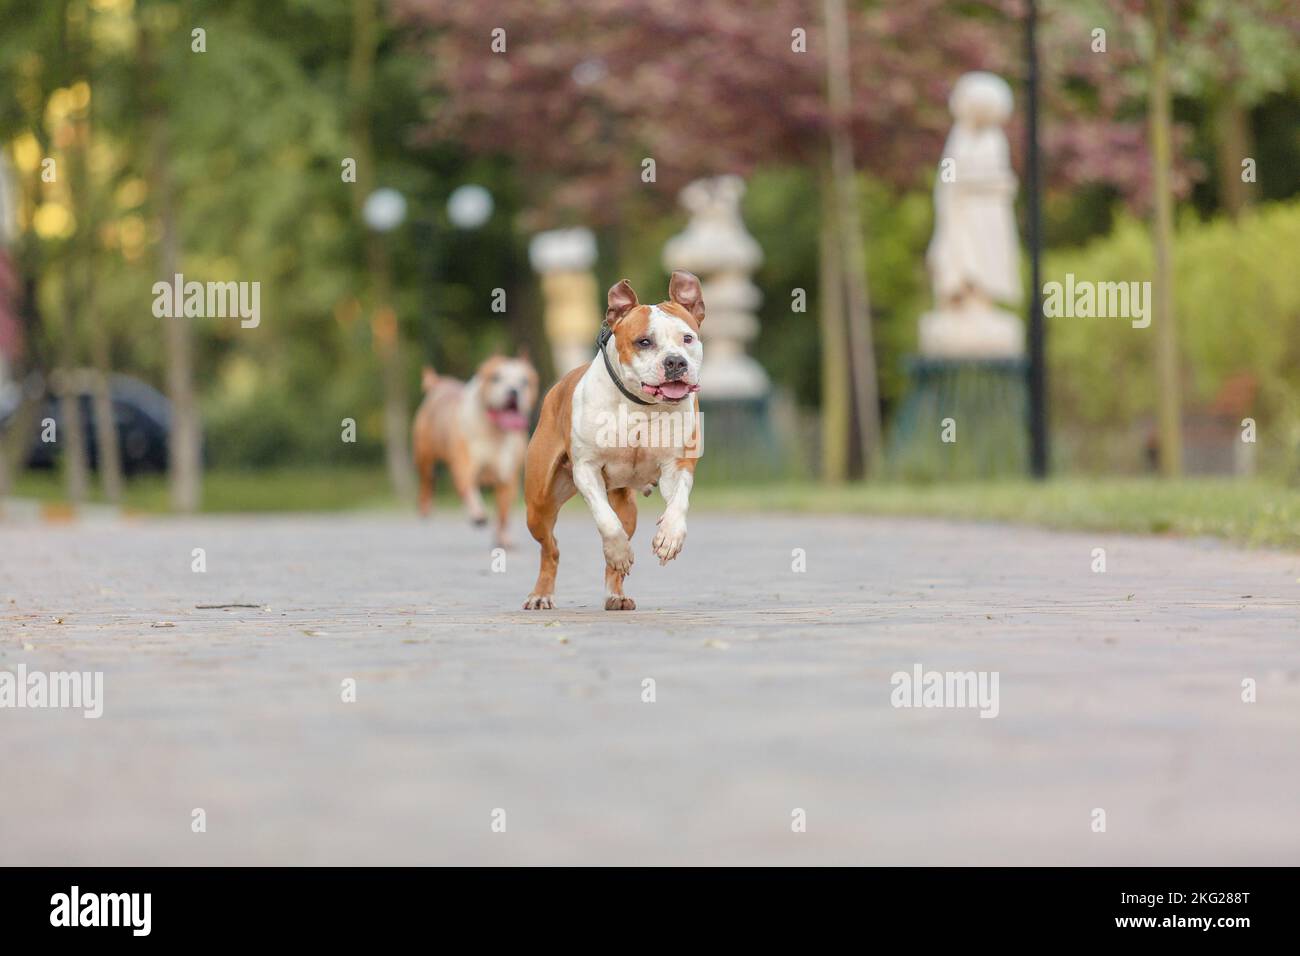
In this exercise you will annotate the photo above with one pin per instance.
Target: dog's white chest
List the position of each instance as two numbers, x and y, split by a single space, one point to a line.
494 455
497 455
634 469
629 446
626 458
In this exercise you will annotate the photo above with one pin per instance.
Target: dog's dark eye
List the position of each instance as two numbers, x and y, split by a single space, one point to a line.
644 343
688 339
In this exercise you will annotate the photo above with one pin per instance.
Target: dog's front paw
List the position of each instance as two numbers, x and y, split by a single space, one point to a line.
619 602
667 544
618 553
540 602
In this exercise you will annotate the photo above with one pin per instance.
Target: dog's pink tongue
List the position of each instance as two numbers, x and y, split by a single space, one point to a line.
674 390
509 420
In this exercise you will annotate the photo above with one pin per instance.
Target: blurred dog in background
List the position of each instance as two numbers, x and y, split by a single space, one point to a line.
480 429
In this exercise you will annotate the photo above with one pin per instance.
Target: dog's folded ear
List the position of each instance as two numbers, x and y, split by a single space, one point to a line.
621 301
684 289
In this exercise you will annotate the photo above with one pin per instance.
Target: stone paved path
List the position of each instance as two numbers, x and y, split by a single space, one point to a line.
1119 691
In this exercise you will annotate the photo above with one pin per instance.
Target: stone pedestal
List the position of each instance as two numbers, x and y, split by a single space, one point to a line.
973 332
987 403
564 258
716 247
735 409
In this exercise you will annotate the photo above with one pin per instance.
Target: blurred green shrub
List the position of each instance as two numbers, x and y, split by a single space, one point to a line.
257 420
1237 306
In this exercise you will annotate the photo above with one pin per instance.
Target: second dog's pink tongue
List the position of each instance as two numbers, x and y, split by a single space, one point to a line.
509 420
674 390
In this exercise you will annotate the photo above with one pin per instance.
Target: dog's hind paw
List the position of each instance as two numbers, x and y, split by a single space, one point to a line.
540 602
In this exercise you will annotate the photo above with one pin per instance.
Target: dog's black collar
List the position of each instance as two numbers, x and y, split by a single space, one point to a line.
601 338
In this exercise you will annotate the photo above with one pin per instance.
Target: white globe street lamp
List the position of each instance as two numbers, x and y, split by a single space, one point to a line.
469 206
384 210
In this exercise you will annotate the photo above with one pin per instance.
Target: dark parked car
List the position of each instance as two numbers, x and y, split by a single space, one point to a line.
141 414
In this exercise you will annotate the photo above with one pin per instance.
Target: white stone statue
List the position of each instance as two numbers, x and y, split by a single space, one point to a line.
974 257
717 247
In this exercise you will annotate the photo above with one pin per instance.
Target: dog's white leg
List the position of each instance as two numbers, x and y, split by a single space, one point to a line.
590 484
675 484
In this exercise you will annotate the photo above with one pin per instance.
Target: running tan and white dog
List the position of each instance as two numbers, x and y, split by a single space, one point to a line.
480 429
623 423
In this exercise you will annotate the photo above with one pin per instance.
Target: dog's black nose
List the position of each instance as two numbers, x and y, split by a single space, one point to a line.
674 366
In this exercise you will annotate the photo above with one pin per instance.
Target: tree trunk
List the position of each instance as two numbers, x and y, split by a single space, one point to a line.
1233 142
862 356
71 436
386 333
1167 370
110 460
72 432
184 446
835 394
110 456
